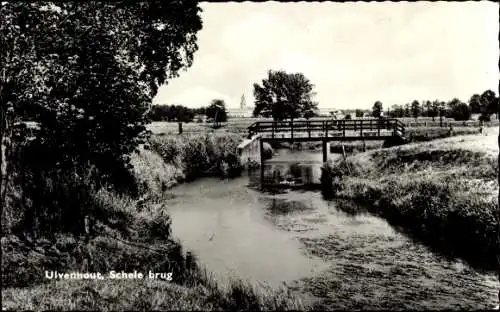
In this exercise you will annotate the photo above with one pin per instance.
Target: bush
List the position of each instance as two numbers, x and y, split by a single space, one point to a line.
200 155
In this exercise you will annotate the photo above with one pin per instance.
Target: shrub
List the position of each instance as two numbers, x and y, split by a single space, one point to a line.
200 155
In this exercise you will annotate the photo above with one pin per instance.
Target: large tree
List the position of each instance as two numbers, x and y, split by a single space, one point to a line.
377 109
490 102
217 111
284 95
89 72
415 109
459 110
475 103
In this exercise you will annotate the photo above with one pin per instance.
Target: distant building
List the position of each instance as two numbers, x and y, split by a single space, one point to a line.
243 111
200 118
330 112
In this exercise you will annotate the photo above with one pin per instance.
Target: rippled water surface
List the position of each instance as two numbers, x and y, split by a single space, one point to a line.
318 247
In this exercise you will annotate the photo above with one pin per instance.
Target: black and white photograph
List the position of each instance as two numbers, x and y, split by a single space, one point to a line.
249 156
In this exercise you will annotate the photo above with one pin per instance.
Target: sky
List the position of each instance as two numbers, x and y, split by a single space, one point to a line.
354 53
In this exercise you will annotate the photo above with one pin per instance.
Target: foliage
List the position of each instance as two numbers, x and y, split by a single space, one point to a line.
490 102
348 117
216 111
199 155
459 110
284 95
171 113
415 109
88 84
377 109
359 113
476 104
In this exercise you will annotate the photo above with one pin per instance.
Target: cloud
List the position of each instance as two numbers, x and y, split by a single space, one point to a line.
354 53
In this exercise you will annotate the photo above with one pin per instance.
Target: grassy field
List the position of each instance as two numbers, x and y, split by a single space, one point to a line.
444 190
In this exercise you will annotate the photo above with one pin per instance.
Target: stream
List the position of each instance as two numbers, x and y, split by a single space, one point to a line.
331 250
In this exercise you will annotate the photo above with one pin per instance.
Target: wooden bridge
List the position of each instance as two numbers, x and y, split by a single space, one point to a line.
324 131
327 131
330 130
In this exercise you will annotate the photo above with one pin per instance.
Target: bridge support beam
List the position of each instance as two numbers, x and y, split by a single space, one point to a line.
325 151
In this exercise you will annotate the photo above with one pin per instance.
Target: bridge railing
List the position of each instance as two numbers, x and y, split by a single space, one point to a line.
324 126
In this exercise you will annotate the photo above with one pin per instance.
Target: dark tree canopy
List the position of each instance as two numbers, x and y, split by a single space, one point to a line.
476 104
377 109
490 102
284 95
87 72
459 110
90 70
359 113
217 111
415 109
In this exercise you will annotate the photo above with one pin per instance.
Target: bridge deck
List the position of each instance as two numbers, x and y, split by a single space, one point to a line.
329 130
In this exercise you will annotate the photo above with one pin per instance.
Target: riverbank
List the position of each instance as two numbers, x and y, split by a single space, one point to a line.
134 234
445 191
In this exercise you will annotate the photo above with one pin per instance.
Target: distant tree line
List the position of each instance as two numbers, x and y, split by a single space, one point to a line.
485 104
216 111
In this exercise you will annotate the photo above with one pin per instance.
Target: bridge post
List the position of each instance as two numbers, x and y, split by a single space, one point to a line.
291 129
325 151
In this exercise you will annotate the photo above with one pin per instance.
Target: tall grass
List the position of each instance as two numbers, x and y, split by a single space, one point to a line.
200 155
126 233
447 197
127 236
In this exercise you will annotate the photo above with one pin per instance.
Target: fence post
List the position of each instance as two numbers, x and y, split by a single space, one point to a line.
325 151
